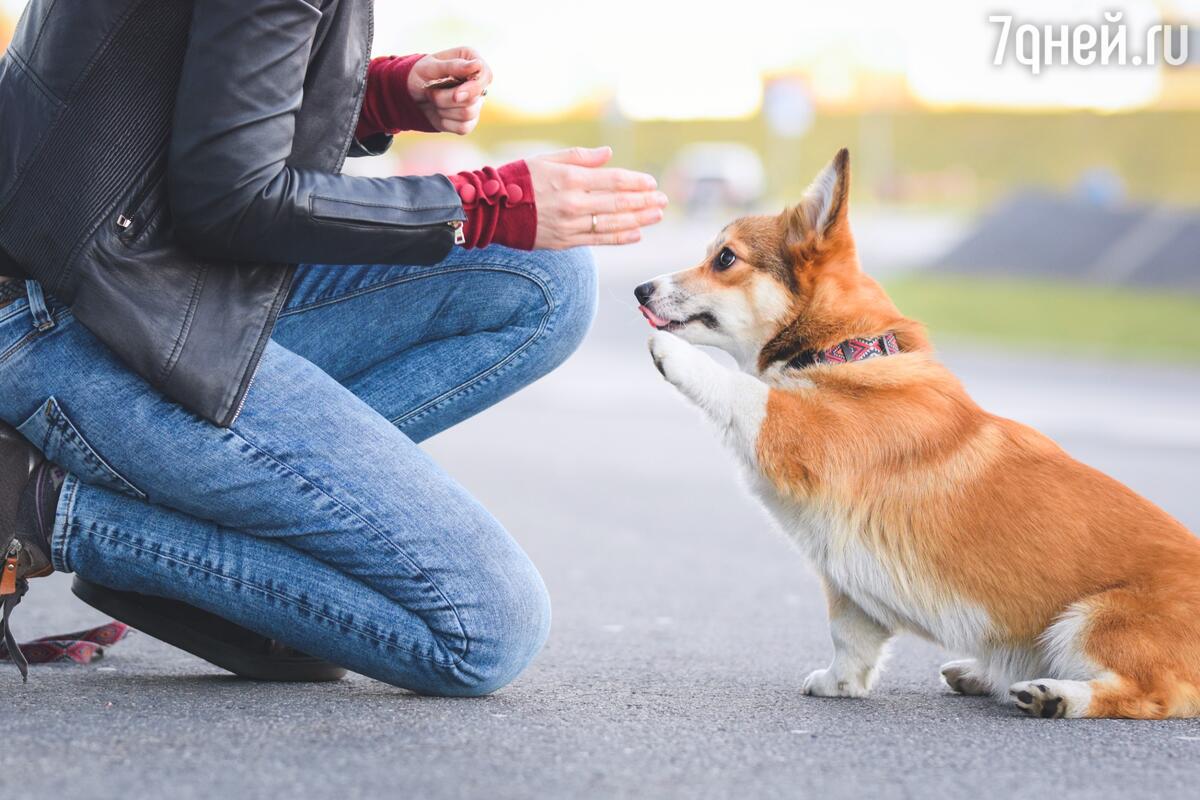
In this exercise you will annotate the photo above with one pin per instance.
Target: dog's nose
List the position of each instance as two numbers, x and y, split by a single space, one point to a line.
644 292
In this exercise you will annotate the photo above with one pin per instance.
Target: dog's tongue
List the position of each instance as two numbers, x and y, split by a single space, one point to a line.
654 319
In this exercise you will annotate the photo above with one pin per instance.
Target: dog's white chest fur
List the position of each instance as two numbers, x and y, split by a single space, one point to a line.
894 594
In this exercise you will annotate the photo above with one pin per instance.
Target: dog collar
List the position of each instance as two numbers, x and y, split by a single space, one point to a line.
859 349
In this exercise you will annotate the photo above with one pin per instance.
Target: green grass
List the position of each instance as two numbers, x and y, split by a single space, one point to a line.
1102 321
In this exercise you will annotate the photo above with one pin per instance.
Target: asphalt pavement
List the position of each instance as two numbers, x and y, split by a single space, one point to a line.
683 627
1038 234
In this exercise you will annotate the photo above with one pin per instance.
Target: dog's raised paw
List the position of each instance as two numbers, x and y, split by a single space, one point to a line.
657 354
823 683
1039 699
671 355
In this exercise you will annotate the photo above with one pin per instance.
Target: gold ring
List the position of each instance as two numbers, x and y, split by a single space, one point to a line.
593 223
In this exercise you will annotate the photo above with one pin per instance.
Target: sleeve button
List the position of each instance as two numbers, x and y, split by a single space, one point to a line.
515 194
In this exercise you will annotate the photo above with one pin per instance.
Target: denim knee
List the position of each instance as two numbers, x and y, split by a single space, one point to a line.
505 629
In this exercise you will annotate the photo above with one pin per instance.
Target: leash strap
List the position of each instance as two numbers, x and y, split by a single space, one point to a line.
79 647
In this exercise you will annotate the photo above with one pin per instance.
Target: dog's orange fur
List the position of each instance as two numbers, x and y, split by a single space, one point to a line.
986 509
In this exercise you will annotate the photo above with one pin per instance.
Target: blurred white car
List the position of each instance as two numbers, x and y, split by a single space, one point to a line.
715 176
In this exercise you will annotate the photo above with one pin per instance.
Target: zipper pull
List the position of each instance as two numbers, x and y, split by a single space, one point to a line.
459 236
124 222
8 580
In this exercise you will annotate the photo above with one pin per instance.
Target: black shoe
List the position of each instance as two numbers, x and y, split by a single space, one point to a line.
214 639
22 547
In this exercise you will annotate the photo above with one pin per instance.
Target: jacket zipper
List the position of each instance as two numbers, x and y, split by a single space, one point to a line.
459 236
126 222
249 385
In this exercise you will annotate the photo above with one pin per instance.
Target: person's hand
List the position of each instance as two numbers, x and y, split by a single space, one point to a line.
578 203
454 109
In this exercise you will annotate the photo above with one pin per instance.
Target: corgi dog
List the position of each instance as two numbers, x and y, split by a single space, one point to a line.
1070 594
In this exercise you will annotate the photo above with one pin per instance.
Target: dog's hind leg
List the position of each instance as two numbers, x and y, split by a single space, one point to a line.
858 649
734 401
966 677
1135 652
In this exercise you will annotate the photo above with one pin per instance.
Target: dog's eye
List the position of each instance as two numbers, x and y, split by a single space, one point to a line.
725 258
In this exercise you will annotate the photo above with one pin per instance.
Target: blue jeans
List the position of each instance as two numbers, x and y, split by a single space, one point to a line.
316 519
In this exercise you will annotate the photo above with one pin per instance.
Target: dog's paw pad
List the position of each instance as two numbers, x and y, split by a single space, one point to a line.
1038 699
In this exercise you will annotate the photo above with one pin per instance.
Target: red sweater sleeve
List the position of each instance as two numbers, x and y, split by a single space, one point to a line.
500 206
499 202
387 106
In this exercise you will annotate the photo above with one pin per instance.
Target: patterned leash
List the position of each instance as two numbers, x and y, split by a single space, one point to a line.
80 647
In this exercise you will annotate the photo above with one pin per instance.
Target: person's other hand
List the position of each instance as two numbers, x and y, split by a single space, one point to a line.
579 203
454 109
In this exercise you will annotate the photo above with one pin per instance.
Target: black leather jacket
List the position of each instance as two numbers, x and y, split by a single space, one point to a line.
164 163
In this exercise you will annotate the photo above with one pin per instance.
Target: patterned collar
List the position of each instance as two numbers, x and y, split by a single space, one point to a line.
860 349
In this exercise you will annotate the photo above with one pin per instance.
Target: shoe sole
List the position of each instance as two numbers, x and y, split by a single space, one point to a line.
123 606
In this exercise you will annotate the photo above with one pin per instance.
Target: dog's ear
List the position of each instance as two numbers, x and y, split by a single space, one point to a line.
825 205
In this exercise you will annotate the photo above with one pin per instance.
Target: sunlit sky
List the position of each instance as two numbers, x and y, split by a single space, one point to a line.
684 60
